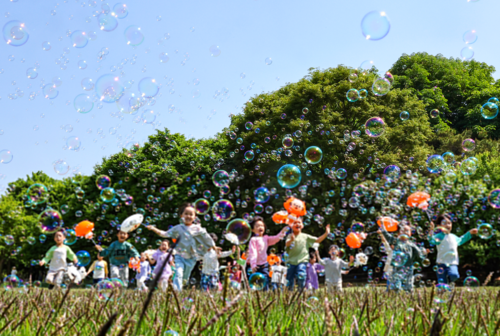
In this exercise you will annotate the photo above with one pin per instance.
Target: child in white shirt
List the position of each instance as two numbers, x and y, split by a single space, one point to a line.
143 272
210 271
100 269
278 279
57 257
333 268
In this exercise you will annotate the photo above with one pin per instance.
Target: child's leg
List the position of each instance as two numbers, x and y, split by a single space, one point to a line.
204 283
442 274
50 277
124 275
301 275
264 269
114 272
290 276
188 268
453 274
179 272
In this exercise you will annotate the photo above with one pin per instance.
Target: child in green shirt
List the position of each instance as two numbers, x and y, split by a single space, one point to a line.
57 256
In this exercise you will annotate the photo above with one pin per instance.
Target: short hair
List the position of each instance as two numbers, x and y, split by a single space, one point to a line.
442 217
312 255
184 206
332 246
257 219
213 236
62 231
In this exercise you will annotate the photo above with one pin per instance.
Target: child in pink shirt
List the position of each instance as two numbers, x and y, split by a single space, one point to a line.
257 248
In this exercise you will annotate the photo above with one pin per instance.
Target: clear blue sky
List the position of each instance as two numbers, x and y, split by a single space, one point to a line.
297 35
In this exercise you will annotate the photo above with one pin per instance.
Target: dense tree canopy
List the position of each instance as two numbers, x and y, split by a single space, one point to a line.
358 178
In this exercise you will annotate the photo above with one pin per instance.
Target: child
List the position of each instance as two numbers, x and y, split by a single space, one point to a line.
447 249
158 258
297 247
100 269
143 272
333 268
312 272
194 241
405 253
14 271
234 271
57 256
119 253
210 270
257 248
278 279
388 261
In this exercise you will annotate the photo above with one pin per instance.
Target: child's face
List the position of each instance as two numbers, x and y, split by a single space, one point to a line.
188 216
164 246
446 223
59 238
312 260
334 252
143 257
405 230
297 226
99 257
259 228
122 236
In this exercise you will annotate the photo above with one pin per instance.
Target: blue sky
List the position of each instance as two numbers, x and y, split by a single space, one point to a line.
296 35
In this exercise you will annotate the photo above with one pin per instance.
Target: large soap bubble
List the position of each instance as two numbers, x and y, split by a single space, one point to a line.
494 198
37 194
15 33
201 206
107 195
220 178
489 110
485 231
102 182
374 127
469 166
134 36
109 88
313 155
223 210
381 87
50 221
375 25
148 87
262 195
289 176
257 281
468 145
83 258
241 229
435 164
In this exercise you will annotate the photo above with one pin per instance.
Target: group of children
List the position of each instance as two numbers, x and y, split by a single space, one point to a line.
194 243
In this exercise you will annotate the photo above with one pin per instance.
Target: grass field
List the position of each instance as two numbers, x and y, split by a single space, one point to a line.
357 311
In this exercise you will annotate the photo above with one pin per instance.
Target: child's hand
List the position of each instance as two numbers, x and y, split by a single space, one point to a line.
99 248
473 231
234 248
327 229
254 269
379 232
431 226
41 263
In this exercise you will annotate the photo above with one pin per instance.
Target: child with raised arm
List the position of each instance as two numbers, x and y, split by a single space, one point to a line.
158 258
57 256
333 268
143 272
100 269
447 249
210 270
297 247
119 253
312 272
194 242
257 248
387 267
405 254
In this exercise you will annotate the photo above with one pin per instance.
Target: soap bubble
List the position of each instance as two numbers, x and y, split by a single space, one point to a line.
9 240
220 178
494 198
42 238
249 155
434 113
352 95
485 231
134 36
70 237
375 25
262 195
120 10
470 37
15 33
374 127
257 281
287 142
148 116
399 259
489 110
201 206
469 166
392 171
493 100
241 229
103 182
471 282
148 87
73 143
50 91
107 22
31 73
341 173
82 64
450 177
83 258
6 156
214 51
381 87
404 115
50 221
223 210
87 84
289 176
61 167
164 58
37 194
46 46
83 103
130 102
79 39
268 61
435 163
363 93
449 158
107 195
313 155
468 145
108 88
467 53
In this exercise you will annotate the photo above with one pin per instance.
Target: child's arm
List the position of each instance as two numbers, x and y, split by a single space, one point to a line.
227 253
324 235
290 240
161 233
466 237
48 256
106 269
390 239
133 252
252 255
71 255
271 240
104 252
91 267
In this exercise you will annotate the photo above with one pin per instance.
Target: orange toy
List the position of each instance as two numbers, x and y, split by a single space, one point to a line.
295 207
353 240
280 217
134 264
418 199
84 228
273 259
390 224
